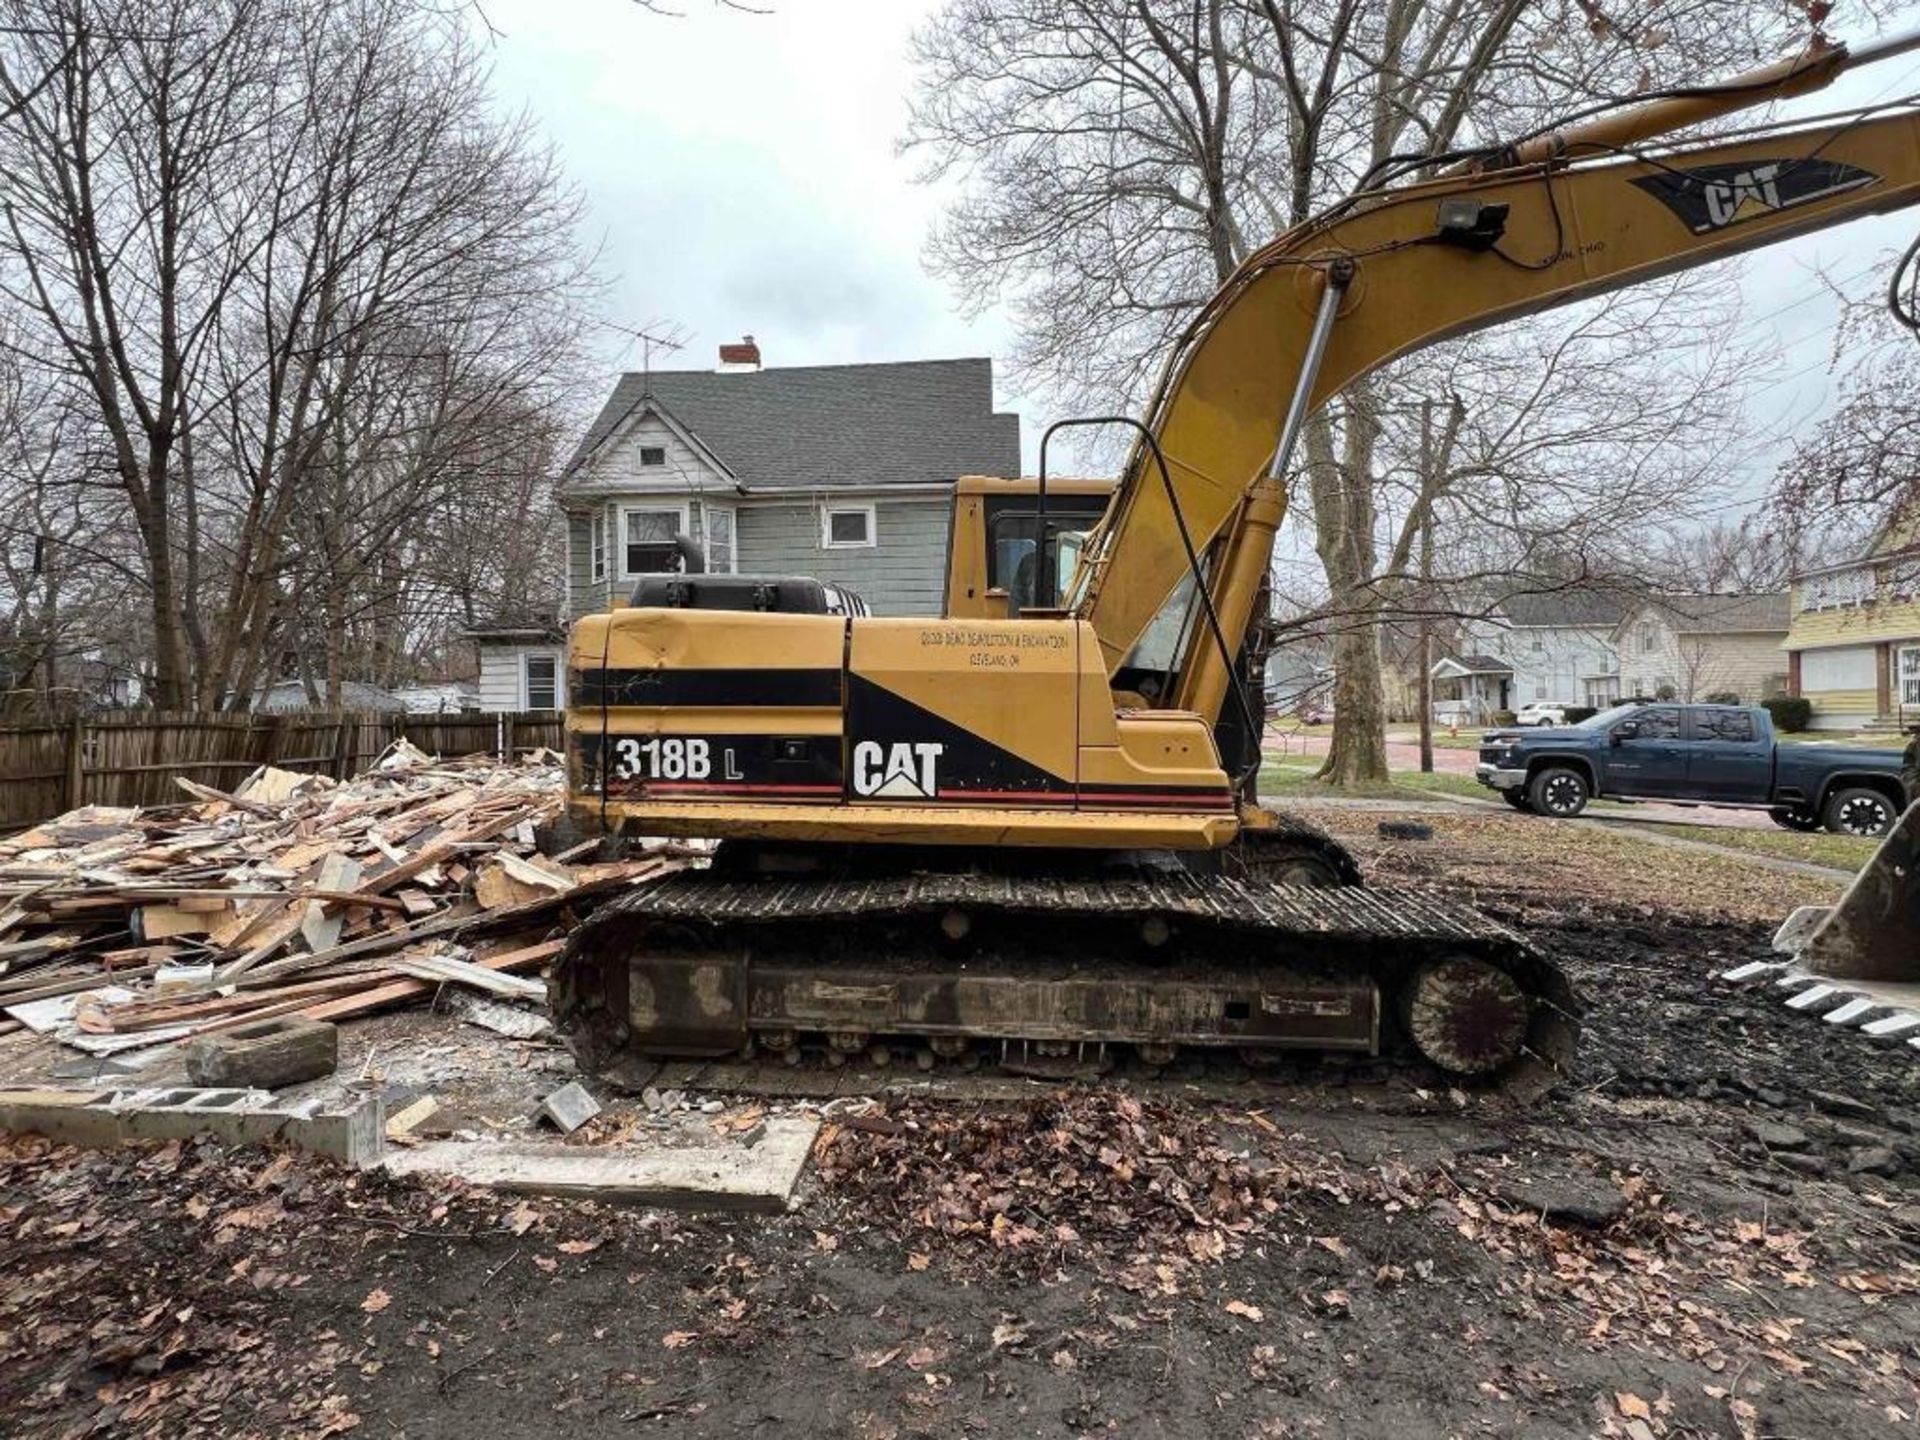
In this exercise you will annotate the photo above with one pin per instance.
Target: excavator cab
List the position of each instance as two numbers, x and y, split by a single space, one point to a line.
992 557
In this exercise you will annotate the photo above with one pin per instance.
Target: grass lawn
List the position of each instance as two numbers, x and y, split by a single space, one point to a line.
1842 852
1296 779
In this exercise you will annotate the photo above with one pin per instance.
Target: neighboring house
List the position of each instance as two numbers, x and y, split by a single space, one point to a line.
523 664
1557 644
355 695
1688 647
1853 648
1470 689
842 472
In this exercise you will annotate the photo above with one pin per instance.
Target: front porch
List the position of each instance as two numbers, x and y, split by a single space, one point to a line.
1470 689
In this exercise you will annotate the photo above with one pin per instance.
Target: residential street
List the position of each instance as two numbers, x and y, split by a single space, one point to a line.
1712 1231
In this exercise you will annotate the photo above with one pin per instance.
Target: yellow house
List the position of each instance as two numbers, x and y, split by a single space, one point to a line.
1853 640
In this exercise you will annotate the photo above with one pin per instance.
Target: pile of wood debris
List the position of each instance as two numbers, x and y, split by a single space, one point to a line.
295 894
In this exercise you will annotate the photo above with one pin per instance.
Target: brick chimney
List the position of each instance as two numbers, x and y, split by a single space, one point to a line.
745 356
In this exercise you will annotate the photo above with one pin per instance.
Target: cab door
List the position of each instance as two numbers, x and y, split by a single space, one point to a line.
1647 754
1726 761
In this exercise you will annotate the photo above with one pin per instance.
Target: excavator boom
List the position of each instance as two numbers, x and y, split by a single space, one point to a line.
1415 266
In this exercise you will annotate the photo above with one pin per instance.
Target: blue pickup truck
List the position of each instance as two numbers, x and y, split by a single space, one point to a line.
1694 755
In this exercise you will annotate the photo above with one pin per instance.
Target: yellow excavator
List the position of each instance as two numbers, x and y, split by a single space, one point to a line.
1037 836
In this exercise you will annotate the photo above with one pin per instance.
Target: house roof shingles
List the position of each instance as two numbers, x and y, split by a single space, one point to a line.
1479 664
1724 614
810 427
1569 608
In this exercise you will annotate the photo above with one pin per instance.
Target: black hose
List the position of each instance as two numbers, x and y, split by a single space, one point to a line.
1193 564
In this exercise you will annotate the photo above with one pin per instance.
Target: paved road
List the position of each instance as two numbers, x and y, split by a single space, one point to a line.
1404 755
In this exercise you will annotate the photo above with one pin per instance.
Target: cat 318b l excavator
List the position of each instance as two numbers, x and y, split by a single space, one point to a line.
1038 836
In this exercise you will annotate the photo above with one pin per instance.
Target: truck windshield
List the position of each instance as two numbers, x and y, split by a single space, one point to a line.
1606 717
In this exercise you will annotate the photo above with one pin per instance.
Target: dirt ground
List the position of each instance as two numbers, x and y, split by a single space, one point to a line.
1714 1230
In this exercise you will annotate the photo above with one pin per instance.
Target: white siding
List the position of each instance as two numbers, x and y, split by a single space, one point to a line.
503 675
1696 665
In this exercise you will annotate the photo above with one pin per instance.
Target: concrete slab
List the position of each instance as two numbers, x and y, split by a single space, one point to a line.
711 1175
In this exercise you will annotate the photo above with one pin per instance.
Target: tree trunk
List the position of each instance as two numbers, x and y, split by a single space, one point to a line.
1343 520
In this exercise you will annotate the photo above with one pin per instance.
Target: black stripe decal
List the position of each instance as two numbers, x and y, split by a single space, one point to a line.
729 687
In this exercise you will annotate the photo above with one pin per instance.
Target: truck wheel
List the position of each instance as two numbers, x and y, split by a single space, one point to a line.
1794 817
1558 791
1517 798
1864 813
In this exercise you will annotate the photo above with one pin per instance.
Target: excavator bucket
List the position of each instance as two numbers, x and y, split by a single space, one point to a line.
1874 932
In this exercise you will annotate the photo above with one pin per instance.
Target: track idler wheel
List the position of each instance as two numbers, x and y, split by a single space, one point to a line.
1466 1016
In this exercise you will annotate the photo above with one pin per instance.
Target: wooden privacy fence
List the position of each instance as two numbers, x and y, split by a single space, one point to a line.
131 757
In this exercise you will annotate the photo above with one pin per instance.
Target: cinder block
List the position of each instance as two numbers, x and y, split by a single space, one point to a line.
267 1055
353 1135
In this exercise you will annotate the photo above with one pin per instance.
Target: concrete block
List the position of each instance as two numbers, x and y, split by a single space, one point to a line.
353 1135
266 1055
569 1107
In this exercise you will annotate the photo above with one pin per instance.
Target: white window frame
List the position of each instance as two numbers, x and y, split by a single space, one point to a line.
640 456
597 545
1906 677
829 510
677 507
732 512
527 657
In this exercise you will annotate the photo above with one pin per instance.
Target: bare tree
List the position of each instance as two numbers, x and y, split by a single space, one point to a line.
295 263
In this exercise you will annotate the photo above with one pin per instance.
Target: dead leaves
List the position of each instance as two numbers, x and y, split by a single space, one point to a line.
1245 1311
678 1339
376 1301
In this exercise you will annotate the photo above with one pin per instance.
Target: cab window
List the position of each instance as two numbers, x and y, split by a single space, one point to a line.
1722 725
1658 722
1012 526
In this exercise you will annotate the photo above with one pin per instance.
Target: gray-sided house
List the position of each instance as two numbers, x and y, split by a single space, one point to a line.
843 472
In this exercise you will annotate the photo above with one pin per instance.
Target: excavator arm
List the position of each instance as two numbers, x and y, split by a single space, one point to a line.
1390 272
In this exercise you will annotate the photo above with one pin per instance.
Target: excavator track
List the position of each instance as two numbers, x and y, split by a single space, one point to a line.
1041 971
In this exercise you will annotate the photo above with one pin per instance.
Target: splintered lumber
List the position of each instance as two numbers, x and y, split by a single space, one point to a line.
465 972
297 894
265 1054
399 990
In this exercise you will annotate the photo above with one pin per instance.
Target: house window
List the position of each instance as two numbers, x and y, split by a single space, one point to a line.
653 454
1648 643
1907 661
846 527
543 682
647 534
722 557
1540 692
599 545
1538 645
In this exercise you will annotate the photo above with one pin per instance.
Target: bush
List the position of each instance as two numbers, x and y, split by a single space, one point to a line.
1665 692
1577 713
1505 717
1790 713
1723 697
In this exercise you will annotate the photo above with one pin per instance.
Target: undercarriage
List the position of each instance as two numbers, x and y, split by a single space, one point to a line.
1056 971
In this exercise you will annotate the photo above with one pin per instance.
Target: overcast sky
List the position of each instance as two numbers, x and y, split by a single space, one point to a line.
741 177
